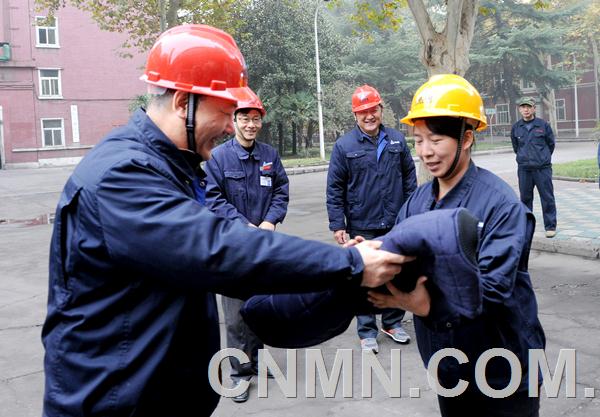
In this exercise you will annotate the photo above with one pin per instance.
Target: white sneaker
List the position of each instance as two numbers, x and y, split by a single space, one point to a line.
398 334
369 344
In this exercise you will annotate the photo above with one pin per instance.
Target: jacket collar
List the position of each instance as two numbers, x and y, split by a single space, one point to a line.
536 121
456 195
362 136
242 153
184 161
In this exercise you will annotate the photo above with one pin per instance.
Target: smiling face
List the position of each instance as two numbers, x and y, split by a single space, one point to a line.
369 120
247 126
214 120
437 152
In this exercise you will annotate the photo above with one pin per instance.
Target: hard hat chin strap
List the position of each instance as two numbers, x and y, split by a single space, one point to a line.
190 122
459 147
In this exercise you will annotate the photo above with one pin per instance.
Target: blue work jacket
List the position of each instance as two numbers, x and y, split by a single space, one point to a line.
135 260
362 192
509 317
250 187
533 146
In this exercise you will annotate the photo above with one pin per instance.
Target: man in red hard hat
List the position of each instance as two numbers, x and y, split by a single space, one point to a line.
371 174
246 182
136 258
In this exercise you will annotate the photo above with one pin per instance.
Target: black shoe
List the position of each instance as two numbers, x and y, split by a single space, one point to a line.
269 374
243 397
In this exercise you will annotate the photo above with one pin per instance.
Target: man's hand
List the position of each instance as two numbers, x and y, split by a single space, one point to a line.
340 236
380 266
354 242
267 226
417 301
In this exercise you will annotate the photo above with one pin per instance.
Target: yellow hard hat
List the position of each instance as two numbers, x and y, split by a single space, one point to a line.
447 95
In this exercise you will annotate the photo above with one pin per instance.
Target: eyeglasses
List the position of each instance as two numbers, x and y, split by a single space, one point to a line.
245 120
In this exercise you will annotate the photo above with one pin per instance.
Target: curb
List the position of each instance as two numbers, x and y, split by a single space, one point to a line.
566 247
573 179
306 170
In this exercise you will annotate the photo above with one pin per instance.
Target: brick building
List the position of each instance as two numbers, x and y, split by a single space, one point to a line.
62 85
577 109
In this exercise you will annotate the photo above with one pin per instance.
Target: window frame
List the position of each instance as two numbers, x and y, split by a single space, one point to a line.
41 80
53 129
527 86
39 27
505 112
563 107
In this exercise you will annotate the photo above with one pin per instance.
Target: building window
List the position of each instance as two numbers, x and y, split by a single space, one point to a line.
52 132
561 113
502 114
50 83
527 85
46 32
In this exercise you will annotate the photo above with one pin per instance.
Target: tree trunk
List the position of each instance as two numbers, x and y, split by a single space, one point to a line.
266 133
310 131
171 15
294 139
596 73
549 102
445 52
281 139
549 99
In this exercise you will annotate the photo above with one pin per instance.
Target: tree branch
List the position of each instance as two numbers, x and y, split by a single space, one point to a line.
422 19
453 22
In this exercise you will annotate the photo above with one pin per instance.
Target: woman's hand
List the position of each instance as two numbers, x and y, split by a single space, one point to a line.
417 301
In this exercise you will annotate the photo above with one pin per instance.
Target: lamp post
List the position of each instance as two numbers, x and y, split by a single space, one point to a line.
319 92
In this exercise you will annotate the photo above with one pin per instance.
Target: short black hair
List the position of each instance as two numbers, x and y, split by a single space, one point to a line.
446 125
246 110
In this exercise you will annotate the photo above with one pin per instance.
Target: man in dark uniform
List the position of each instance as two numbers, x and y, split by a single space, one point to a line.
246 182
533 142
371 174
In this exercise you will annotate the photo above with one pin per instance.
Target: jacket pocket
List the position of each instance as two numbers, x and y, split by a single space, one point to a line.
542 152
357 160
235 185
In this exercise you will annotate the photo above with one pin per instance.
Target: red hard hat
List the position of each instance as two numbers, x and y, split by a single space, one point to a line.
249 100
199 59
364 98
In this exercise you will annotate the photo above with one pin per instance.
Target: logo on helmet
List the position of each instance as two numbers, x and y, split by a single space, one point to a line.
363 96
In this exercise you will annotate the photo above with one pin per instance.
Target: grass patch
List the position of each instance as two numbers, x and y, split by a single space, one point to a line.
584 168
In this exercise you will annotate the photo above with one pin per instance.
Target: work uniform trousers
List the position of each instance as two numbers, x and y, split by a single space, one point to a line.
541 178
239 336
367 324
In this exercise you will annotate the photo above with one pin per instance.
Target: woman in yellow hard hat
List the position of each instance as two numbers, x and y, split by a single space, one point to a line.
445 113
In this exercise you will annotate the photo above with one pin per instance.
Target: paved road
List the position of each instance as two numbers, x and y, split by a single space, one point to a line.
568 290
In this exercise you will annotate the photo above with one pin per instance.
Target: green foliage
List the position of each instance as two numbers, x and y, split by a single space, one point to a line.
144 20
377 15
515 42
